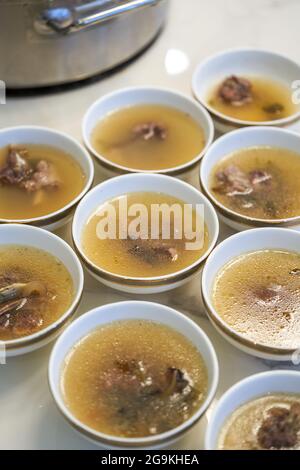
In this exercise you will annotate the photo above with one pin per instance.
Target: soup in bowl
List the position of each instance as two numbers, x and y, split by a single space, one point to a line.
250 287
147 130
43 175
248 87
41 283
144 233
133 374
260 412
252 178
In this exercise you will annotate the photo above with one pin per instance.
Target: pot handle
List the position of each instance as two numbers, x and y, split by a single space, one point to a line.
66 20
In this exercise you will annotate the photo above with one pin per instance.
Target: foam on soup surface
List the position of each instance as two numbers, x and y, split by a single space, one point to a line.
258 295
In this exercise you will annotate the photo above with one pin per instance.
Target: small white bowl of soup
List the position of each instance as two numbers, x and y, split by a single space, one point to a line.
261 412
41 283
250 288
147 130
43 175
248 87
133 375
153 254
252 178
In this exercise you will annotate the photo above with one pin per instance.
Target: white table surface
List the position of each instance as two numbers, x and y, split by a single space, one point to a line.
197 28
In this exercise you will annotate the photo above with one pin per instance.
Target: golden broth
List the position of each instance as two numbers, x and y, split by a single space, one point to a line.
259 182
17 203
134 378
243 430
26 265
134 257
265 93
258 295
115 138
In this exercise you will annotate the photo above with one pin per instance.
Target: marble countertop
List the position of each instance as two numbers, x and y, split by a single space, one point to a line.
195 29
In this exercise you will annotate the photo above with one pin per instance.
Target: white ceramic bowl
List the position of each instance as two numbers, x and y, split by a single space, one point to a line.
139 96
243 62
127 311
251 388
140 182
43 136
239 140
25 235
232 247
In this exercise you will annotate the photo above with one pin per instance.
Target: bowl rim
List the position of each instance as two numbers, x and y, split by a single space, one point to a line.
225 211
240 122
212 313
135 280
249 380
152 89
142 441
49 330
56 215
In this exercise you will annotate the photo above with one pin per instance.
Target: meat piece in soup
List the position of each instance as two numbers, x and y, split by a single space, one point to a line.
151 251
150 130
281 427
18 172
17 169
236 91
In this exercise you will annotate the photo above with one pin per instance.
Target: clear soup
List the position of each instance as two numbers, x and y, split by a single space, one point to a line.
33 191
139 257
270 101
148 137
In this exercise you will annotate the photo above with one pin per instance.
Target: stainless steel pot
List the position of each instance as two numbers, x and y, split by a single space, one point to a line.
49 42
